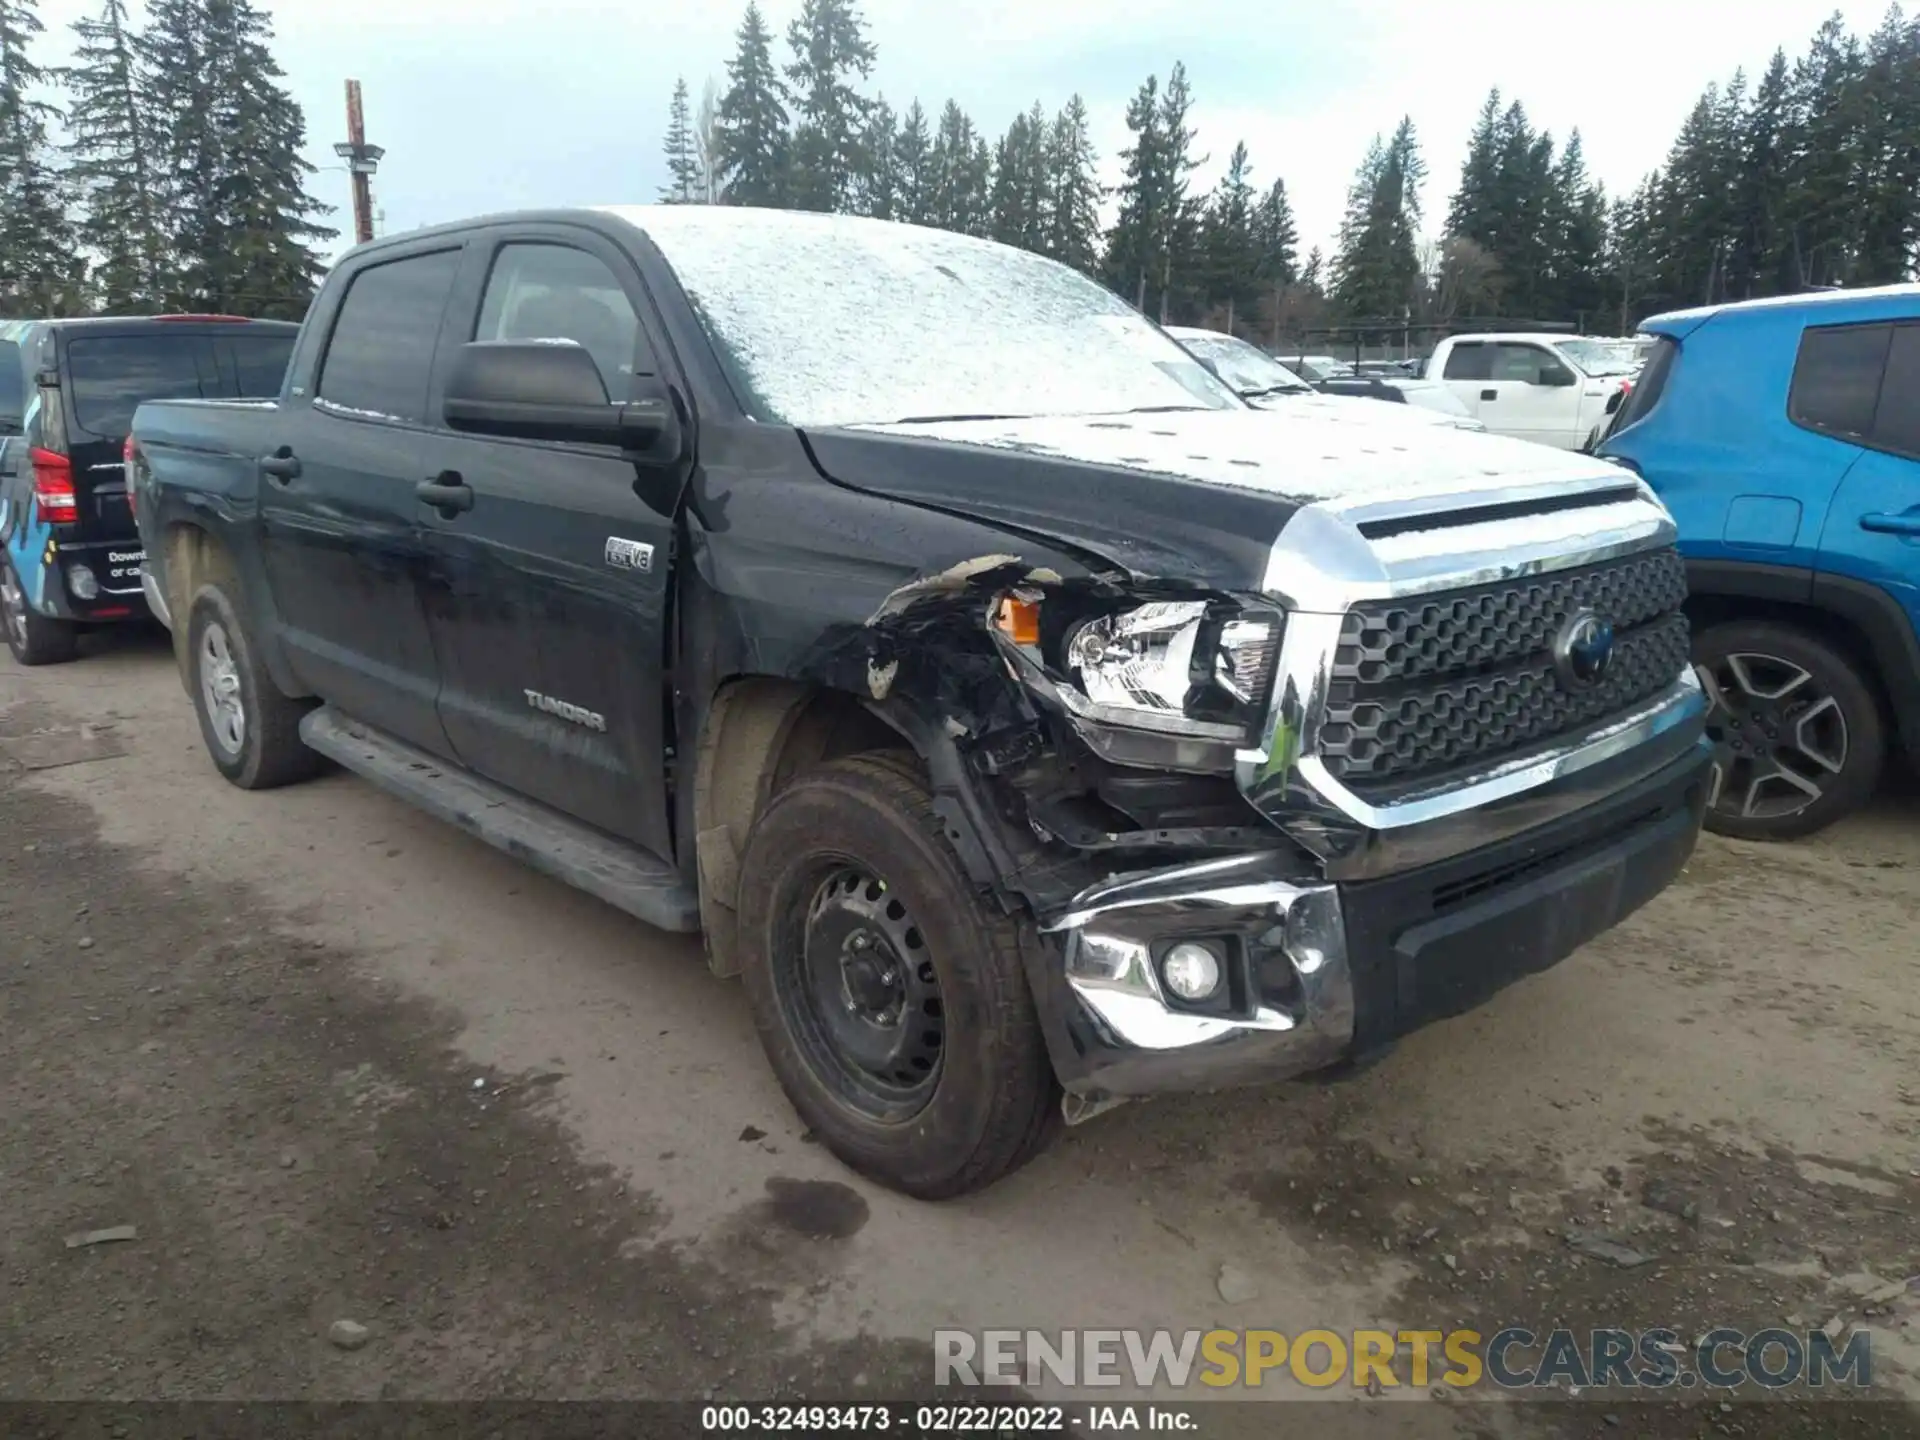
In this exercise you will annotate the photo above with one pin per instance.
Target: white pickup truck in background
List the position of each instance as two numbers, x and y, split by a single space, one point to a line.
1556 389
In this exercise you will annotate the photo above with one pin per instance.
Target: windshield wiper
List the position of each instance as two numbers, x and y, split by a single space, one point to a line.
1163 409
1275 390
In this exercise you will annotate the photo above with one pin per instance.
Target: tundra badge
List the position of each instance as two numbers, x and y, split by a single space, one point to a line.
550 706
629 554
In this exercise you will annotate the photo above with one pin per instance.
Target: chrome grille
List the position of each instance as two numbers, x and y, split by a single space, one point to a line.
1424 686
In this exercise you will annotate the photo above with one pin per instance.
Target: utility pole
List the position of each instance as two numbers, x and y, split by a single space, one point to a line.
362 160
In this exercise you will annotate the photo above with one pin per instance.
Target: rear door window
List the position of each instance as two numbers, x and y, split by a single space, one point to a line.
1896 421
1836 379
111 375
1470 362
257 363
379 360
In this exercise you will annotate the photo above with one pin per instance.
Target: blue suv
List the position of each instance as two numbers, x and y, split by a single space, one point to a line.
1784 435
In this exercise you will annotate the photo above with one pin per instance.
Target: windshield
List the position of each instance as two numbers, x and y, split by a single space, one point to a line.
832 320
1247 368
1601 357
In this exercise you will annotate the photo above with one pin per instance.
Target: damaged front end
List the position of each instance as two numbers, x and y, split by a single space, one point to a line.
1263 833
1082 738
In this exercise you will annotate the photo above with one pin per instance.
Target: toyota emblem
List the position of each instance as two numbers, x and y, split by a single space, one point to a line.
1583 651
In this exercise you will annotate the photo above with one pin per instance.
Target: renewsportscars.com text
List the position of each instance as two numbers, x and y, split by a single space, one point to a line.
1513 1358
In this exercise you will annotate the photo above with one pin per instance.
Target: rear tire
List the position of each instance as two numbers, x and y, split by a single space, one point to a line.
33 638
1799 738
251 729
890 996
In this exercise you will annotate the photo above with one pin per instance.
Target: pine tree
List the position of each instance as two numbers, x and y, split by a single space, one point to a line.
1230 247
1313 275
913 167
112 162
1825 145
1889 216
958 167
1377 272
1181 279
1276 251
1473 212
686 185
751 144
1018 200
879 188
1135 241
1073 202
830 48
1577 215
41 272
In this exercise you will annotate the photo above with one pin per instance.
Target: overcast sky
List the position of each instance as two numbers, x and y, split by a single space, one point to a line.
487 105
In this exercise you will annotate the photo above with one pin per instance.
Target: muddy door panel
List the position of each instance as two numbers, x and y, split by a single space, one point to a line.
547 597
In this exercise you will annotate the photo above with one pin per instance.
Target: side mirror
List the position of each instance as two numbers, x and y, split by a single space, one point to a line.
1557 376
540 390
1613 400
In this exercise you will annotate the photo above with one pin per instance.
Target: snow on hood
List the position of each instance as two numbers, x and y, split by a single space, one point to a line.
1302 454
1359 410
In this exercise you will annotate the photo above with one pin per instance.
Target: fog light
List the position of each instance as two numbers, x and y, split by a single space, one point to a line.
80 580
1192 970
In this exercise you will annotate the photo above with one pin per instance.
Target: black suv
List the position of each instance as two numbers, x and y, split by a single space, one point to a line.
68 390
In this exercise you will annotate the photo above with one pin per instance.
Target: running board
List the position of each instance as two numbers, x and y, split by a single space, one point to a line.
620 874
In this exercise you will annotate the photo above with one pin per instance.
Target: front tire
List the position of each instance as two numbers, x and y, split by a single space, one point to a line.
251 729
33 638
1799 739
889 995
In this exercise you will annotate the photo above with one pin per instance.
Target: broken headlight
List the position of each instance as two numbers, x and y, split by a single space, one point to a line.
1196 668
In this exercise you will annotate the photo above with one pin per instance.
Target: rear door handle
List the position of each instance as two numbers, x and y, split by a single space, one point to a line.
446 492
283 465
1489 394
1891 524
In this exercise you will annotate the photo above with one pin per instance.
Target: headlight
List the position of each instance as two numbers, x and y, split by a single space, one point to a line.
1195 668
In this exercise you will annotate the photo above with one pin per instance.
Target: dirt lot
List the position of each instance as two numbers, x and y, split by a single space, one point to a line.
333 1061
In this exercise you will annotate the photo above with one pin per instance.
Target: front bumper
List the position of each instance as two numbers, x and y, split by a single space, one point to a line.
1316 972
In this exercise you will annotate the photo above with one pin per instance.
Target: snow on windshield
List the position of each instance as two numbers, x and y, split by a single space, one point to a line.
1245 367
833 320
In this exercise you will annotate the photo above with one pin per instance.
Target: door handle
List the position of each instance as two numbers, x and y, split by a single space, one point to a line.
283 465
447 493
1891 524
1489 394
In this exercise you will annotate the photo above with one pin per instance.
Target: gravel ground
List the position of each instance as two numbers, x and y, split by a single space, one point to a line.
391 1117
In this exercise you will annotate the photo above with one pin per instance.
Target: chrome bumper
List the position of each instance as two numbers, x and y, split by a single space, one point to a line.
156 602
1288 1002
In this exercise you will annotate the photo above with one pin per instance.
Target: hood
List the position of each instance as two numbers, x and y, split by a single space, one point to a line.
1195 496
1359 410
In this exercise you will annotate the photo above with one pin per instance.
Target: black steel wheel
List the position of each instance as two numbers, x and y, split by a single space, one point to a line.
855 976
1798 737
890 993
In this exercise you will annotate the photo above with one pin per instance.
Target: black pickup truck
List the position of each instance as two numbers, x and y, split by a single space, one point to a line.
1030 724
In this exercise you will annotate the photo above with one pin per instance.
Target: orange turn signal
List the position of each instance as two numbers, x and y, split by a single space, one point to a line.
1018 620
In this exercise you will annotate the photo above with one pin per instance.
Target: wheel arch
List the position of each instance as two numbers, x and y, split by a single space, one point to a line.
758 733
193 554
1862 621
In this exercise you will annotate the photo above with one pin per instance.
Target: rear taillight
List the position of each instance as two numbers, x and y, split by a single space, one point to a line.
54 502
127 453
